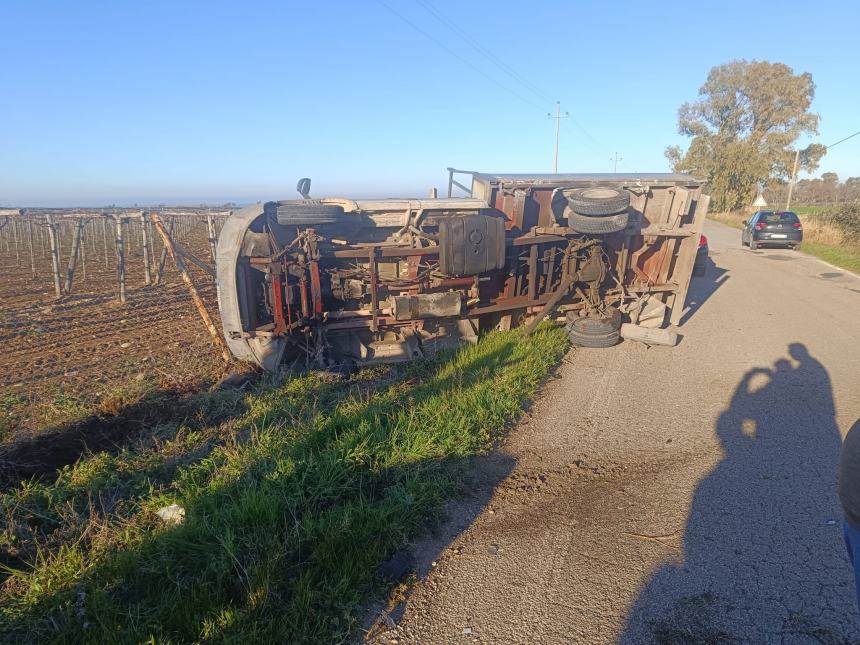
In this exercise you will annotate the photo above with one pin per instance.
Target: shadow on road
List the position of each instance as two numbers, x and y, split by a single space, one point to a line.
702 288
763 559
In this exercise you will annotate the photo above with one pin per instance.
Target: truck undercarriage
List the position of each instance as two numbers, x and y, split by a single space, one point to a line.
331 282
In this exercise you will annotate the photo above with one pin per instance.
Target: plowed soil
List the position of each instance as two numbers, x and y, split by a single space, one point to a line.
64 360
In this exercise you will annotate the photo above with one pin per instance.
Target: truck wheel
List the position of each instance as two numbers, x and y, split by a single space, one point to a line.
595 331
599 200
304 212
596 225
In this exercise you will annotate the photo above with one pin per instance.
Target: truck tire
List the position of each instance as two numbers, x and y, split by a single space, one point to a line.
597 225
595 331
598 200
305 212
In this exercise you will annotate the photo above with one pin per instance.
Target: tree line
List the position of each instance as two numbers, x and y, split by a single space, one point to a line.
824 190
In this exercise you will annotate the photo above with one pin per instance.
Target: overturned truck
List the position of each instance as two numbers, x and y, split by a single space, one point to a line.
331 282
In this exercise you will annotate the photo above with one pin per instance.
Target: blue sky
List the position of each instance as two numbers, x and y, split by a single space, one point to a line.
189 102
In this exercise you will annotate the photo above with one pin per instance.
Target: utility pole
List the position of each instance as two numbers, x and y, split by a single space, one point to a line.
558 116
793 179
616 159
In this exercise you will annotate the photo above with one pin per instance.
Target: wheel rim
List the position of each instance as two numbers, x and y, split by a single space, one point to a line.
599 193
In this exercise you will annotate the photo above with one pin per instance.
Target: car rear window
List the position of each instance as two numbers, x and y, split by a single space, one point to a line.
785 217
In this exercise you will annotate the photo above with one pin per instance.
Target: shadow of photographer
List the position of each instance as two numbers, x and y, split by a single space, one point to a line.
763 557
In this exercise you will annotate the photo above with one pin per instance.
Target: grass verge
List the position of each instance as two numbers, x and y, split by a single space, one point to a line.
288 515
838 256
824 236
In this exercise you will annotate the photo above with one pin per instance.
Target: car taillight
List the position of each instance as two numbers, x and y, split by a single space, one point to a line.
703 241
798 226
760 226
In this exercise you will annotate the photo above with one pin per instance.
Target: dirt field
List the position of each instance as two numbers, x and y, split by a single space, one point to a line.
64 359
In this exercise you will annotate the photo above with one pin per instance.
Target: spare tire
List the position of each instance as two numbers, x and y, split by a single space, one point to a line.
598 200
595 331
304 212
597 225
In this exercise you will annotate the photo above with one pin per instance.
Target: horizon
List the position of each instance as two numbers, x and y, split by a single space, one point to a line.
227 104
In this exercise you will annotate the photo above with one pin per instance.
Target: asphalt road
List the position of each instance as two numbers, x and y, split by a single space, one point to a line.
669 495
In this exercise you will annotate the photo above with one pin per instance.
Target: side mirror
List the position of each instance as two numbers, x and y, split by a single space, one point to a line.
304 187
744 222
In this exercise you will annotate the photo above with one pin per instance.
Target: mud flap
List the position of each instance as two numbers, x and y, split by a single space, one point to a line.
268 351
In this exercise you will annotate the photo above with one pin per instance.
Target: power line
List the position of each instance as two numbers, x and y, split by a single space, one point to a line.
469 40
458 57
841 140
465 37
492 58
558 117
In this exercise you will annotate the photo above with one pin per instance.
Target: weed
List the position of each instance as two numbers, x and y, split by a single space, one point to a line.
287 518
62 404
10 400
11 413
122 394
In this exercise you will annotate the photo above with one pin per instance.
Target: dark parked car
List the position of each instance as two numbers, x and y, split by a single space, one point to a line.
772 228
701 257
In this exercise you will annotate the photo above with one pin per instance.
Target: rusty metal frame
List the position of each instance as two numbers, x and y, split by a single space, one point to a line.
653 257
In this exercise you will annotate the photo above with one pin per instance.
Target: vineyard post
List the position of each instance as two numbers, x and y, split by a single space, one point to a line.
195 296
104 239
160 272
84 237
73 255
120 257
55 255
150 233
210 226
30 240
144 222
15 236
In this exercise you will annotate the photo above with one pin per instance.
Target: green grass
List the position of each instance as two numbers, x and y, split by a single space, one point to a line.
841 257
809 210
289 513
